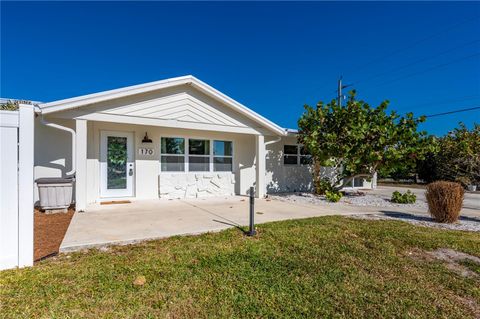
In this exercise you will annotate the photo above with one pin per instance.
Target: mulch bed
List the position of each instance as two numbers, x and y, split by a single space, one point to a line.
49 230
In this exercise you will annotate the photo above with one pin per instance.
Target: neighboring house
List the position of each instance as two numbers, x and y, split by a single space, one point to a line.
174 138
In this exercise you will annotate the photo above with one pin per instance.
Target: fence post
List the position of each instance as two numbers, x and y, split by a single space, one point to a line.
8 189
251 231
25 185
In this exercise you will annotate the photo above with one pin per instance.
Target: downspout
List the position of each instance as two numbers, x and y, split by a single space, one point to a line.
278 139
67 129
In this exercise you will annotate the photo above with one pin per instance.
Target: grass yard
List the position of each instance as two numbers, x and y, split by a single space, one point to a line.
318 267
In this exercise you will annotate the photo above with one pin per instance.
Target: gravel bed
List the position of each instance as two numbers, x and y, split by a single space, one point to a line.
353 199
464 223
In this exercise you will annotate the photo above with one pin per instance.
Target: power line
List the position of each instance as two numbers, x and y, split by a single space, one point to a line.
430 69
415 43
409 46
415 62
448 101
455 111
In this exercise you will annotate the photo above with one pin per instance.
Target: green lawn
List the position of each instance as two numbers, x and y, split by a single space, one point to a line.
318 267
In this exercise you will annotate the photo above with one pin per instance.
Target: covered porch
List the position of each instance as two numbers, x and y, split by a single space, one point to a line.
169 166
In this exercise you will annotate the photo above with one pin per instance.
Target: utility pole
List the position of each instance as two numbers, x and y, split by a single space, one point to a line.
339 90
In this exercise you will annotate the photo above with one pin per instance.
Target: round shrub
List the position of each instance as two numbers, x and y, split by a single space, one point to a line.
444 201
333 196
407 198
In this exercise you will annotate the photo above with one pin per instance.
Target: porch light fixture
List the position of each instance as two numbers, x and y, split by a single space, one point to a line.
146 139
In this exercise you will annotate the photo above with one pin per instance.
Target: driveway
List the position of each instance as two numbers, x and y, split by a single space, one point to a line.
471 201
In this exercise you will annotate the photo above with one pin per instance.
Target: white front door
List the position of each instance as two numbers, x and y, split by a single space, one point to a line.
117 169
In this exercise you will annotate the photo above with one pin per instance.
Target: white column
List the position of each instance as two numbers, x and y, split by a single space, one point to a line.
25 185
260 167
81 162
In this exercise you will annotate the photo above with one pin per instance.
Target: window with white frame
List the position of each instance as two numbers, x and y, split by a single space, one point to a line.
222 156
195 155
172 157
296 154
198 155
355 182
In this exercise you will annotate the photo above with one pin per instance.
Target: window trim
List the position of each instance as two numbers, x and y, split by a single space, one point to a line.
186 154
353 183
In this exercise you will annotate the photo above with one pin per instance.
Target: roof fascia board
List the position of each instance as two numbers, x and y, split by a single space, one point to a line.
74 102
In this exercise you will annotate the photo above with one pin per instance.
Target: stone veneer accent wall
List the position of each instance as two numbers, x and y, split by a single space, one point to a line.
194 185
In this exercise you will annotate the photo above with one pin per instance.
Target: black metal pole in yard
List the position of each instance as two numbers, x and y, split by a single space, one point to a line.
251 231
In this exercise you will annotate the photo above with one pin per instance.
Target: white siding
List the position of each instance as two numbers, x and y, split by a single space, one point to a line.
285 178
178 107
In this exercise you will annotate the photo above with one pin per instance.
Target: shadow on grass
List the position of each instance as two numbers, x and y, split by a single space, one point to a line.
408 216
237 226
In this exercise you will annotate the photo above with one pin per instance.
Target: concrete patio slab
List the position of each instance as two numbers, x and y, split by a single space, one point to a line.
151 219
148 219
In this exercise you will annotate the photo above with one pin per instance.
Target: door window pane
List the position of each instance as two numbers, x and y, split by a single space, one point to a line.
198 163
116 162
172 145
222 164
198 147
222 148
172 163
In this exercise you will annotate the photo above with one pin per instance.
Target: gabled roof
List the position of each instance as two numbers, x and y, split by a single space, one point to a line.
79 101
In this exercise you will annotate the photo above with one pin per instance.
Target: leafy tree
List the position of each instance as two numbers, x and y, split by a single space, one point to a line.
358 140
9 106
457 157
12 105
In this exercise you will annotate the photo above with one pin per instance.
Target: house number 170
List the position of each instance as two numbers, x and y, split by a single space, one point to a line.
145 151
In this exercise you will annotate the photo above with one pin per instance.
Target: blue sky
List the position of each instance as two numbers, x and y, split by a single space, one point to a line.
273 57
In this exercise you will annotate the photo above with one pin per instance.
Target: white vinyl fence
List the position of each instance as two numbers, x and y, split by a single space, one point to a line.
16 187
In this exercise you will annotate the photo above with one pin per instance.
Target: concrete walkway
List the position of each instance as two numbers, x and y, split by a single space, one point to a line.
150 219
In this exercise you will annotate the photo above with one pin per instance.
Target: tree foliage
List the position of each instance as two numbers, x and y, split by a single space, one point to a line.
358 140
9 106
13 105
457 157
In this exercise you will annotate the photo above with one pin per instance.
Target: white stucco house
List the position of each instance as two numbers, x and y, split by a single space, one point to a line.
173 138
